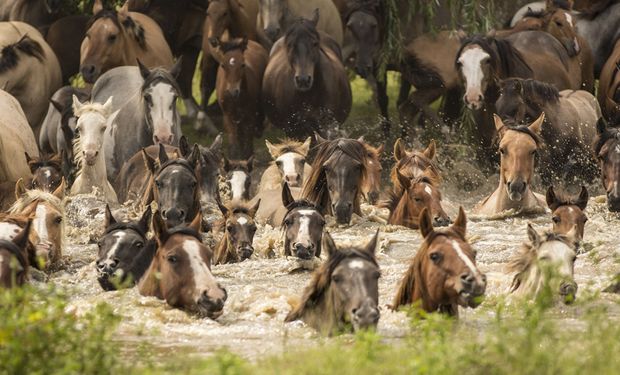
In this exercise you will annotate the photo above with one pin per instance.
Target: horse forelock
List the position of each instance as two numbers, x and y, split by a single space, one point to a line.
160 75
372 7
184 231
33 196
9 57
125 226
299 30
110 14
289 145
525 130
176 162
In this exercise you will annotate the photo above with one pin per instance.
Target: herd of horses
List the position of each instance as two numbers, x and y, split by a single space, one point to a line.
530 88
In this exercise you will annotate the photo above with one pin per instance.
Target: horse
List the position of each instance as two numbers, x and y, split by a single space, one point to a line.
275 17
17 140
47 212
146 101
303 226
607 151
14 262
38 13
119 39
289 164
47 174
339 170
94 120
242 63
239 178
567 211
570 121
180 272
239 228
413 164
124 252
29 69
518 148
65 38
609 85
305 86
415 194
547 261
210 160
372 187
344 292
443 274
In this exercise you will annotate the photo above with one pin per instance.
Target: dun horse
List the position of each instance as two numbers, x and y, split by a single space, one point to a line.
568 212
344 293
289 164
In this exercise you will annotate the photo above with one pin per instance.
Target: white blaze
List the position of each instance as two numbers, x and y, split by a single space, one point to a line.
237 184
288 162
242 220
428 190
471 66
39 223
459 251
356 264
162 114
202 275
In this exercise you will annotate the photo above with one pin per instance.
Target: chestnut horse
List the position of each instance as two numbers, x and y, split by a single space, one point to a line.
121 38
289 164
180 272
607 151
413 164
443 273
14 261
343 295
567 211
303 226
305 87
239 228
518 148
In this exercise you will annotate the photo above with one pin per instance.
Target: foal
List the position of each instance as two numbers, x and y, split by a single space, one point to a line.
344 293
239 178
303 226
289 164
236 244
46 172
567 212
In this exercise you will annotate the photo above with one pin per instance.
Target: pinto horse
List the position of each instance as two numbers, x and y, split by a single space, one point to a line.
289 164
180 272
14 260
239 228
568 212
306 87
443 273
344 292
339 171
607 151
303 226
518 148
546 261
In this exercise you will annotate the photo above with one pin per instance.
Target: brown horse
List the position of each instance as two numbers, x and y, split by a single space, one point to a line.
303 226
339 170
121 38
443 273
289 164
567 211
38 13
518 148
609 85
344 293
239 178
372 187
607 151
46 172
181 270
413 164
242 64
239 228
414 195
305 87
65 37
14 261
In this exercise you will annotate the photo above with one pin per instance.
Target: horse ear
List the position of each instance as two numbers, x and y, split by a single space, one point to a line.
250 163
97 6
21 240
536 126
20 189
460 225
551 198
144 71
176 68
109 218
124 11
244 43
380 149
287 197
582 201
143 224
315 17
77 106
305 147
60 190
328 244
319 139
59 107
253 209
149 162
361 139
196 223
601 125
404 180
107 106
399 150
430 150
227 165
425 223
371 246
194 157
163 156
273 151
159 228
499 124
184 146
216 146
533 235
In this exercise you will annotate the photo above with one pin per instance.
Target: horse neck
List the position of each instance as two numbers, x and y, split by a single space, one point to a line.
149 283
404 216
95 175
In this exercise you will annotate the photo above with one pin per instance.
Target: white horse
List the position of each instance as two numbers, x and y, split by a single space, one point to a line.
95 120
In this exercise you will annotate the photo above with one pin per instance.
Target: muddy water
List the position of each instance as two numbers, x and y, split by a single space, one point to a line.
262 289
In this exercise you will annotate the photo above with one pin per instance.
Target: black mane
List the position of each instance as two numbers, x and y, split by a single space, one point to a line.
506 60
9 57
135 29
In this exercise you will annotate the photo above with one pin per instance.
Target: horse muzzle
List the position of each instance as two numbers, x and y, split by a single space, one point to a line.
173 217
211 307
245 252
90 73
90 157
568 291
303 82
293 180
516 190
474 101
343 212
472 290
303 251
365 317
372 197
272 32
441 221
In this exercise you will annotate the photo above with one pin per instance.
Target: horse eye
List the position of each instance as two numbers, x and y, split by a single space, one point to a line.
302 161
558 23
243 65
172 259
459 64
279 163
112 38
148 99
58 220
158 184
139 244
556 219
230 228
336 278
419 200
376 275
435 257
502 151
288 222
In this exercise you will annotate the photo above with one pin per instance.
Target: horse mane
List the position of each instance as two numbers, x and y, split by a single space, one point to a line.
503 55
523 129
287 145
301 28
231 45
321 279
185 231
315 188
9 56
45 160
607 135
35 195
426 163
158 75
534 92
132 27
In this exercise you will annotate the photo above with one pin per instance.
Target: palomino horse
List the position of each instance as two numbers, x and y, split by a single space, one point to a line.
414 195
94 121
46 172
609 85
570 122
180 272
275 17
29 70
607 151
289 164
239 228
305 87
567 211
518 148
121 38
372 187
239 178
14 261
339 171
344 293
47 212
547 261
443 273
125 252
413 164
242 63
303 227
146 101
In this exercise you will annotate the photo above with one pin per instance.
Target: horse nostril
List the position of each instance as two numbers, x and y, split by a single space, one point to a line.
467 278
100 265
115 262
